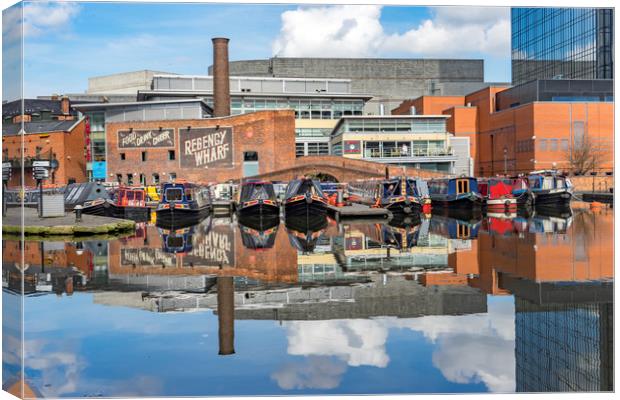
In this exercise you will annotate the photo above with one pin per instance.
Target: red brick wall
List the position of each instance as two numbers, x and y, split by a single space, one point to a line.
270 133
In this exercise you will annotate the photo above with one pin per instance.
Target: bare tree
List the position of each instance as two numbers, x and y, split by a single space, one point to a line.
585 155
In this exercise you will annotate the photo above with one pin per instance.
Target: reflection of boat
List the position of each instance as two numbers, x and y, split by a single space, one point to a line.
304 197
404 220
541 223
499 226
178 240
257 198
259 233
401 236
183 204
453 228
497 195
455 193
550 189
303 232
400 195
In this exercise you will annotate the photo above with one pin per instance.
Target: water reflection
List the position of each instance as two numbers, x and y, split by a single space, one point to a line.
430 304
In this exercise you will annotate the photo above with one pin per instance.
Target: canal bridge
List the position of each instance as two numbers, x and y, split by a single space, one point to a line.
343 169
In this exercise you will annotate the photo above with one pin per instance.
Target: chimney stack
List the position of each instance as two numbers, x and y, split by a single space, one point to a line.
221 82
65 105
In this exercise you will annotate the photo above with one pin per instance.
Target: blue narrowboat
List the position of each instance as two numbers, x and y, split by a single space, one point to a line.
455 193
183 204
550 189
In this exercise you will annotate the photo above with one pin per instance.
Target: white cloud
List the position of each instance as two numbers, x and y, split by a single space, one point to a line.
43 17
357 342
312 373
356 31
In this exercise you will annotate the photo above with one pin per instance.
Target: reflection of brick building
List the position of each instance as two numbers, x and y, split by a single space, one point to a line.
219 245
583 252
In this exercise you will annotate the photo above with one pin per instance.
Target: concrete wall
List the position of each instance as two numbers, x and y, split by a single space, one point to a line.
390 80
123 83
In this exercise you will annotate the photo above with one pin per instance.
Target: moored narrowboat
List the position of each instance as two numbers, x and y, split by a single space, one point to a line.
400 195
128 203
455 193
304 197
550 189
497 195
183 204
521 191
257 198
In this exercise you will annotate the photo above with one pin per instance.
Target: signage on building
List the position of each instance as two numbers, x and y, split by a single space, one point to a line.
146 138
99 168
213 248
206 147
352 146
40 163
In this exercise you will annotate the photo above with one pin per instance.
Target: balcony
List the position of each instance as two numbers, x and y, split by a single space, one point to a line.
409 153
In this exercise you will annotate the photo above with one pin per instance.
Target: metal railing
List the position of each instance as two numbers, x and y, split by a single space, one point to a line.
399 153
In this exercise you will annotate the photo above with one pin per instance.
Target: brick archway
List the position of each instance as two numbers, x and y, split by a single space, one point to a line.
343 169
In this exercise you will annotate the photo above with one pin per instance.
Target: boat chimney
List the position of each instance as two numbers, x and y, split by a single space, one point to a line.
226 314
221 82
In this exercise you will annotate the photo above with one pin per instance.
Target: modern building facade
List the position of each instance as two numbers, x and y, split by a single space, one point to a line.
565 43
389 81
543 124
419 141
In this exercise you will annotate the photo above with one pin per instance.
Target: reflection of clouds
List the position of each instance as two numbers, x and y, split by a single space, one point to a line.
473 348
468 348
55 364
315 372
357 342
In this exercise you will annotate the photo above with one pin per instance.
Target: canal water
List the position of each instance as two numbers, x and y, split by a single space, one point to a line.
431 305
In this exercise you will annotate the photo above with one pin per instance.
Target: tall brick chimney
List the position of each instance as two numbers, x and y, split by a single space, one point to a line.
65 105
221 82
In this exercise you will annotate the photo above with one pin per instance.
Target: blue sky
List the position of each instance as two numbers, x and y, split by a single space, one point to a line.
65 43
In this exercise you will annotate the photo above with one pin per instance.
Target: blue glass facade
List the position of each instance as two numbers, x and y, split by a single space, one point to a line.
566 43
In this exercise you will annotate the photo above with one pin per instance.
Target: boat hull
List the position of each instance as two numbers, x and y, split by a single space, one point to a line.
138 214
303 208
181 217
258 210
552 198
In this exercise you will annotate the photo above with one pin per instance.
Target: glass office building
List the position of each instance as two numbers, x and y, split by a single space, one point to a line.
561 43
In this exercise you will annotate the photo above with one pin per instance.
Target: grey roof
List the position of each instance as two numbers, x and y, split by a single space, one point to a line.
31 106
145 94
39 127
103 106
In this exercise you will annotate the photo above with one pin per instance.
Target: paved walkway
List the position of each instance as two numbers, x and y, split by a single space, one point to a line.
33 225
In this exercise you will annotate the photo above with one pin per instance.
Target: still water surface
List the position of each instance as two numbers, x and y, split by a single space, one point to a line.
436 305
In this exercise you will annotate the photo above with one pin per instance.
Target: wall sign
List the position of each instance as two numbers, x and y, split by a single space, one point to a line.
206 147
146 138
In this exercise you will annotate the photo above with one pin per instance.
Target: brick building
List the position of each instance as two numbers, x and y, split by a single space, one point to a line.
51 131
537 125
201 150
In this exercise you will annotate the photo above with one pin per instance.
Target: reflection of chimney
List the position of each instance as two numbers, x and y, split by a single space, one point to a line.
226 314
69 285
221 83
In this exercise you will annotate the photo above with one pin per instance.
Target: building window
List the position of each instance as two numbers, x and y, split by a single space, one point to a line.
564 145
300 150
171 155
250 163
38 151
316 149
155 179
173 176
122 156
130 179
542 146
144 156
142 180
119 178
553 144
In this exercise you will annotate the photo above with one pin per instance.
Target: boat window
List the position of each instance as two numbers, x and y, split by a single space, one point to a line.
130 195
462 186
139 196
548 182
175 241
174 194
534 182
188 194
560 183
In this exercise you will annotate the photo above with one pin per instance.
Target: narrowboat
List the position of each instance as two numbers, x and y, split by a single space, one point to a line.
304 197
497 195
258 233
257 198
304 232
400 195
550 189
128 203
455 193
182 204
521 191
